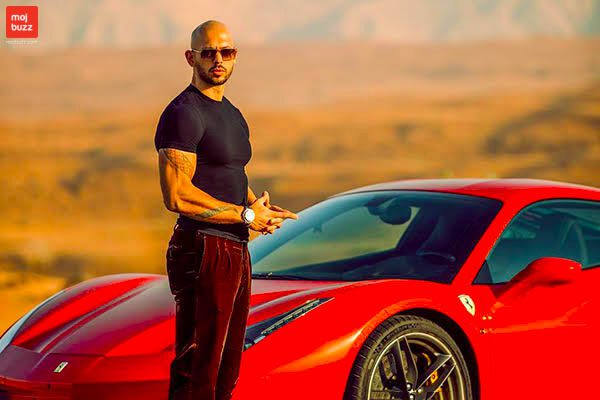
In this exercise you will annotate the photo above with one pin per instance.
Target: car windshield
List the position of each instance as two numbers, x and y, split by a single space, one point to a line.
376 235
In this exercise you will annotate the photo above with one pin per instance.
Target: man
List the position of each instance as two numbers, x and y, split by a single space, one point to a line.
203 146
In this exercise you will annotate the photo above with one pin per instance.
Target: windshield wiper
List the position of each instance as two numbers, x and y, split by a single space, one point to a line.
270 275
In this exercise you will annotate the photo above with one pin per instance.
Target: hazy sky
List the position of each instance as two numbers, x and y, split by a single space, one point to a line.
134 23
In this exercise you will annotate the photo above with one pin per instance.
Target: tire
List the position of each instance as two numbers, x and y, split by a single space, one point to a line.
374 375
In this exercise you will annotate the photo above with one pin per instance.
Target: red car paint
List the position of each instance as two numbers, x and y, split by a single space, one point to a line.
117 332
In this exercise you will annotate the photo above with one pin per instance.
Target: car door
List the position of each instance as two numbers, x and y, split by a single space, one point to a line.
544 339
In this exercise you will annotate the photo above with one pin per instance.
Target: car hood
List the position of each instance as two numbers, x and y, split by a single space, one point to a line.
136 316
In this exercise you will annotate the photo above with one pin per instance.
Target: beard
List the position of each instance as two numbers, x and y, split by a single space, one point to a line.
214 80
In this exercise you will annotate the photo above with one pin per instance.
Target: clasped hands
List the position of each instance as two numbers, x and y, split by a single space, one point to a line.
268 217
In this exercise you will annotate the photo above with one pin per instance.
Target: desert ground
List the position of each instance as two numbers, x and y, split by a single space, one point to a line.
80 193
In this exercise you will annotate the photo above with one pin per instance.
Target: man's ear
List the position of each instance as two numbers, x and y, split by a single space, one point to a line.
189 56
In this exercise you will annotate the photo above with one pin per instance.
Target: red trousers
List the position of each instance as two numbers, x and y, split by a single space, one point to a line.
210 278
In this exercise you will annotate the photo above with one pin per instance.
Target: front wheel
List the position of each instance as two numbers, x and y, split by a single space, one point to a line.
409 358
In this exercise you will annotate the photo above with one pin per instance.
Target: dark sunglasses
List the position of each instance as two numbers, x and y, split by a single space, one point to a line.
227 54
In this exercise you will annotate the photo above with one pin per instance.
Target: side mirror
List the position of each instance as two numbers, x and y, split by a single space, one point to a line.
547 271
544 271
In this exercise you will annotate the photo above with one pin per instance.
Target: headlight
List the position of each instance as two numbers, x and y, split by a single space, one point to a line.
8 336
259 331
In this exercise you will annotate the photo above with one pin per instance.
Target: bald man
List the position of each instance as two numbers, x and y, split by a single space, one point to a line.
203 147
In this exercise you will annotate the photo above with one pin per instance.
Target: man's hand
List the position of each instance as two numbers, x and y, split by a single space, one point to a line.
277 221
268 216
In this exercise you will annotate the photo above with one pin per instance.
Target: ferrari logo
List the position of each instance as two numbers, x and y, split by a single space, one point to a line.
61 366
467 301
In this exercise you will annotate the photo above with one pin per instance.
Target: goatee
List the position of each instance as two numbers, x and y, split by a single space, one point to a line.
212 80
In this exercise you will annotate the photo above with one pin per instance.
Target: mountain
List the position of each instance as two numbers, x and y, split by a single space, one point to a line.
132 23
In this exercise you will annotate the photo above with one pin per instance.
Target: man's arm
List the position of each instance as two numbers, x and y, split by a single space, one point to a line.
251 195
176 169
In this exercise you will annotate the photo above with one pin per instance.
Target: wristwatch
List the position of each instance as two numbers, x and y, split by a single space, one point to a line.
248 215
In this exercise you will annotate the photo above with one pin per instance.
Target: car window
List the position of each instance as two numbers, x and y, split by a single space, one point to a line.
329 240
377 235
553 228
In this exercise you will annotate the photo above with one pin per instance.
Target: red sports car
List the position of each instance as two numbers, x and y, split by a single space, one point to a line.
416 289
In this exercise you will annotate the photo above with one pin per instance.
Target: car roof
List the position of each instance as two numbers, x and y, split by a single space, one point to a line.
497 188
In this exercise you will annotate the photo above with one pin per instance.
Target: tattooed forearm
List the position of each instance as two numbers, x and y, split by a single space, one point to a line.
180 161
176 168
213 212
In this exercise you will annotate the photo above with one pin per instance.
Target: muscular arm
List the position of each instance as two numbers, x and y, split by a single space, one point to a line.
176 169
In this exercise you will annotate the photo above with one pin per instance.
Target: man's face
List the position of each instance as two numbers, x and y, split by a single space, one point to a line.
214 70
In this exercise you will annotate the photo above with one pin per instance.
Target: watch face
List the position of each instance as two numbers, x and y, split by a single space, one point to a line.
248 215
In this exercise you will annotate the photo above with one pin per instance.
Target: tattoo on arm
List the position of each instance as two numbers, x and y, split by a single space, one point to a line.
213 212
180 161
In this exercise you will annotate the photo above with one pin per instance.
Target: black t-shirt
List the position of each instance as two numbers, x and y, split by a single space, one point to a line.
218 133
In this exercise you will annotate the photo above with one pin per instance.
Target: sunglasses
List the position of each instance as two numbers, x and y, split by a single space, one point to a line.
227 53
